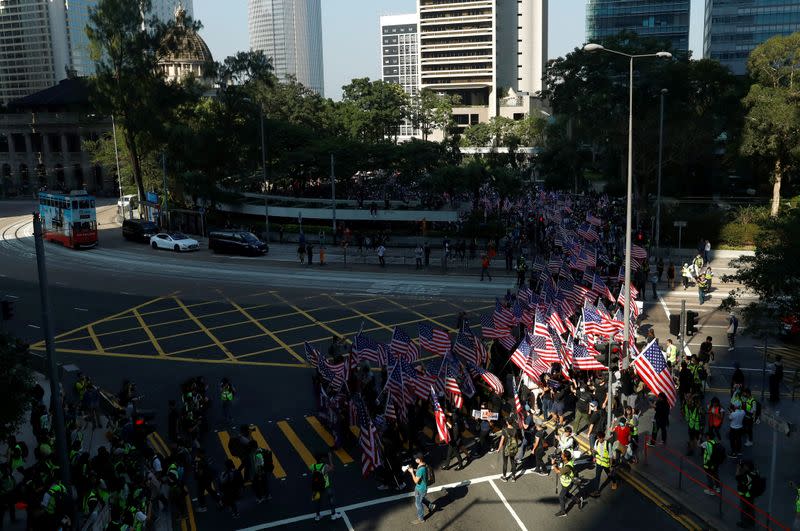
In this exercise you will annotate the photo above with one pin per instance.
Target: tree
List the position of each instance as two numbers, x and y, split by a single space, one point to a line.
16 384
478 135
772 125
530 130
101 151
431 110
373 110
773 273
125 47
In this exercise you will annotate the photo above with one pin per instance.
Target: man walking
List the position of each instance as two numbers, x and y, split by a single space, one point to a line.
566 477
418 256
752 409
509 444
381 252
321 485
733 326
711 462
485 262
602 463
420 476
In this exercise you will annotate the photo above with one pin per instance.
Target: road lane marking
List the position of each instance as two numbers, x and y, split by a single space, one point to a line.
267 331
278 471
97 346
149 333
298 445
203 327
664 305
80 309
225 439
508 506
34 326
346 521
343 456
311 318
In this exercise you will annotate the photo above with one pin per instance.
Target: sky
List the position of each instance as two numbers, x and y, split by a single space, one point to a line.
350 32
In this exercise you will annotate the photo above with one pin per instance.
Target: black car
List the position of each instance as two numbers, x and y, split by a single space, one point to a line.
236 242
138 230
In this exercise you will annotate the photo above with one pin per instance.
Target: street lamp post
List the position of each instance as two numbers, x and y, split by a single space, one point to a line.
264 175
592 47
660 157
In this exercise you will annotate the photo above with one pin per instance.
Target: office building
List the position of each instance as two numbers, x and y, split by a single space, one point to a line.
400 59
474 49
665 20
289 32
734 27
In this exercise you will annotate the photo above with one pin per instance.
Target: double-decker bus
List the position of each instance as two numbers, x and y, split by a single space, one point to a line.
69 218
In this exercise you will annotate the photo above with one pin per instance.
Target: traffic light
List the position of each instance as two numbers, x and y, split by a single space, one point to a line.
675 325
640 237
7 310
692 322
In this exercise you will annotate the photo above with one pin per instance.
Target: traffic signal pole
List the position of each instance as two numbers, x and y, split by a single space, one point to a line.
52 366
683 328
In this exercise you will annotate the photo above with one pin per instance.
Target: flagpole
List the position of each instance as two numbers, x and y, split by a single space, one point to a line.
609 413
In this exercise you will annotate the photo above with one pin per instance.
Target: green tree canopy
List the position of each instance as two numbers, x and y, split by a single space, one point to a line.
16 384
373 110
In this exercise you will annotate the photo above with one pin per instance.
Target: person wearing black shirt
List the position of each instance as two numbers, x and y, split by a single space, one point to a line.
582 407
706 353
597 422
454 447
685 382
660 420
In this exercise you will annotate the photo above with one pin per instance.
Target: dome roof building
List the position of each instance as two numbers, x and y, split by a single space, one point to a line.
188 54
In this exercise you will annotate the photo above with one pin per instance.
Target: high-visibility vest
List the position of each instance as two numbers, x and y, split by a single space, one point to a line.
750 406
714 416
566 479
634 425
797 501
55 490
707 453
672 354
602 455
88 500
692 417
227 394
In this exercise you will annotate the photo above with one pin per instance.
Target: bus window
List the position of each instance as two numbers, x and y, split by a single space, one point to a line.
74 205
92 203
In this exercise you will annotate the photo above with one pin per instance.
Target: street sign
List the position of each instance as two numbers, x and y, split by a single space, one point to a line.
680 224
776 423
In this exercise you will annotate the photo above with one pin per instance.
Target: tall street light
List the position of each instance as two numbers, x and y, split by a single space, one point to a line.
264 174
664 93
593 47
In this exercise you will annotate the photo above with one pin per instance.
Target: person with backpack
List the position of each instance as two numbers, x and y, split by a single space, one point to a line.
713 456
262 469
321 485
509 445
749 485
226 395
204 479
421 477
231 484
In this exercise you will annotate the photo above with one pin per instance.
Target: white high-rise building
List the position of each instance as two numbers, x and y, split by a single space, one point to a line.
400 59
289 32
474 48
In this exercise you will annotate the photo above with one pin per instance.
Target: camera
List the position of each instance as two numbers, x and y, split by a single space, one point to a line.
405 468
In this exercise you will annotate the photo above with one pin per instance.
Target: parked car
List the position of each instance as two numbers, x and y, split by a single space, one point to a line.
790 328
173 240
236 242
139 230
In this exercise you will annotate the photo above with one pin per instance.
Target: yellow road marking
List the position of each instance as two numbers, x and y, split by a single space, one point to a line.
97 345
147 331
404 307
343 456
311 318
225 439
267 331
203 327
355 430
163 449
278 471
360 313
297 443
163 444
190 513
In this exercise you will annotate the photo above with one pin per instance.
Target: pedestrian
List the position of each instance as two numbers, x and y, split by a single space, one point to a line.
455 446
321 486
660 420
509 257
485 263
694 422
602 463
733 326
796 494
509 444
231 484
566 478
321 237
262 469
735 429
227 392
322 255
709 277
420 476
752 412
205 481
745 476
712 458
654 284
686 275
775 379
418 252
522 267
660 268
381 252
671 275
310 253
707 252
672 353
280 233
301 253
701 289
714 417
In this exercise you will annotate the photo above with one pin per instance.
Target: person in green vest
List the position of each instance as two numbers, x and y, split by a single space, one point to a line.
752 411
226 395
694 421
711 462
672 354
53 503
796 492
321 486
602 463
262 469
566 479
522 267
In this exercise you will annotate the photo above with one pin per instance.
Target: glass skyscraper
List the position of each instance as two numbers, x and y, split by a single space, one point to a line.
734 27
667 20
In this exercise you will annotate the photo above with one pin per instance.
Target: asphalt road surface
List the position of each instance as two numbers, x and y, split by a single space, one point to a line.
124 311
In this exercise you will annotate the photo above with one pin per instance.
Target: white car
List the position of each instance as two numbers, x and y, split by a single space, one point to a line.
173 240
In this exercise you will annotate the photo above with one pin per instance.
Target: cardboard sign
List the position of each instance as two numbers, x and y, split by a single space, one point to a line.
484 414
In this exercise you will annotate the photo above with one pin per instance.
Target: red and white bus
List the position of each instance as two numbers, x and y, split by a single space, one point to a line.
69 218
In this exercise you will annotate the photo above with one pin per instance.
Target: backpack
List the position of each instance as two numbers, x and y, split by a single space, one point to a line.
758 485
430 477
235 447
317 480
718 454
512 445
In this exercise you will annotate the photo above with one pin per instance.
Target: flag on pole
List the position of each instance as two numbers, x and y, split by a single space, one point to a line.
600 287
312 354
593 322
439 417
466 347
402 347
366 349
433 339
583 360
651 366
491 380
488 329
451 386
556 322
518 405
540 324
502 316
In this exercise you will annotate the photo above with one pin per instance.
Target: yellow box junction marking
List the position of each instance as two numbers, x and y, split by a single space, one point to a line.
203 327
343 456
150 335
301 449
267 331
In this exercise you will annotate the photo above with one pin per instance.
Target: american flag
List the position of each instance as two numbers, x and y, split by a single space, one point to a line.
369 441
593 220
593 322
466 347
540 324
575 262
502 316
439 417
433 339
583 360
517 404
587 232
366 349
507 342
634 294
411 380
600 287
544 347
522 356
652 368
467 386
554 264
451 382
402 347
312 354
488 330
556 322
394 380
637 252
524 294
491 380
